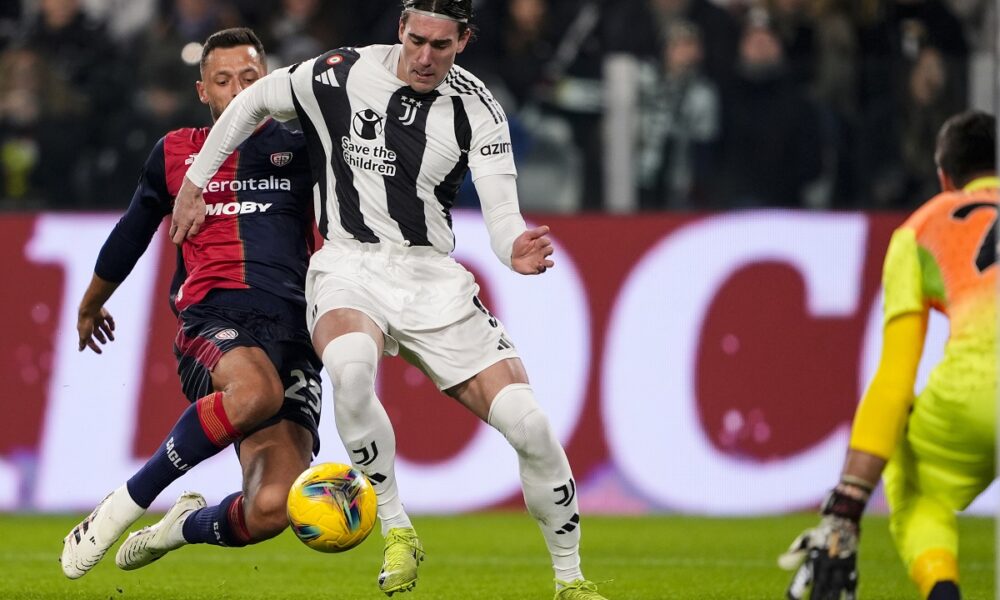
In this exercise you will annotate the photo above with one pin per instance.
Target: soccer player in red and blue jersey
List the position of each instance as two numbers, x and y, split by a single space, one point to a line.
244 355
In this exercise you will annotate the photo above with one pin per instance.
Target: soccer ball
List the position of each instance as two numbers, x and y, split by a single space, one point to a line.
332 507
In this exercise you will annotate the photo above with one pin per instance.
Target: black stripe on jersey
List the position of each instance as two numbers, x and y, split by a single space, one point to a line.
406 136
448 188
464 84
336 108
317 163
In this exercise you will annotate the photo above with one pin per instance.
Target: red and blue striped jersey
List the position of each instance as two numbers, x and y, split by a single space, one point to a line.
258 225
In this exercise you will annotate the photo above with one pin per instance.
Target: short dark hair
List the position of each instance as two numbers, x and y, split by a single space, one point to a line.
231 38
456 10
966 146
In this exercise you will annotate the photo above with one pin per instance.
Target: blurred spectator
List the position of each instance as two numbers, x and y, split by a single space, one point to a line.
979 18
835 80
75 50
302 29
40 133
679 122
164 101
195 20
894 38
793 23
914 64
528 47
720 33
588 31
901 162
853 92
10 16
125 19
772 138
75 47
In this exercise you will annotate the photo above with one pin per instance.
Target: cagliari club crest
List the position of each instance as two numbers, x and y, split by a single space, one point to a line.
280 159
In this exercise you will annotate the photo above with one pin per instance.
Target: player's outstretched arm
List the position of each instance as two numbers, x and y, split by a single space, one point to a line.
524 250
825 556
121 251
93 322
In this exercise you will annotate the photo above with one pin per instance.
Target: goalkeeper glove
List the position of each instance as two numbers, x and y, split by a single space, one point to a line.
826 555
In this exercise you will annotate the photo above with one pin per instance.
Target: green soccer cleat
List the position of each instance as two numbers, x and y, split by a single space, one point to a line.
580 589
403 553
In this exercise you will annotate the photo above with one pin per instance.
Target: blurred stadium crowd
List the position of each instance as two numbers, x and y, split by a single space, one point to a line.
798 103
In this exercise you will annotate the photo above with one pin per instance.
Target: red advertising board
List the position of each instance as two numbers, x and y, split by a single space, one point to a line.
702 363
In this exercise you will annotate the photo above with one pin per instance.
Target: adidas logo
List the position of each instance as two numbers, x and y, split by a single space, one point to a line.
327 78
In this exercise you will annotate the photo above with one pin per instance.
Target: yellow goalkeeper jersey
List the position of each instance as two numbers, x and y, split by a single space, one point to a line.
944 257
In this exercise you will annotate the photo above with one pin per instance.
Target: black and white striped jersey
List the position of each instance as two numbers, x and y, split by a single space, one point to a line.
388 161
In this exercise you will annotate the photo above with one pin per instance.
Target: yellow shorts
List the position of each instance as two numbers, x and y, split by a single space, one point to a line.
946 458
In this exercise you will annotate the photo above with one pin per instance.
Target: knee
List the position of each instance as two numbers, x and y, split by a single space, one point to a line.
535 438
256 399
351 361
516 415
266 515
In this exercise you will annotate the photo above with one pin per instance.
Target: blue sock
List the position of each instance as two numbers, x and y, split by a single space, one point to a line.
220 525
201 432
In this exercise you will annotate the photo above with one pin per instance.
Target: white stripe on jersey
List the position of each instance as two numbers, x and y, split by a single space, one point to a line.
440 131
396 153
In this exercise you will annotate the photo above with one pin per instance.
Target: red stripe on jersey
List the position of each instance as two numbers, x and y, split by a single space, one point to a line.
215 257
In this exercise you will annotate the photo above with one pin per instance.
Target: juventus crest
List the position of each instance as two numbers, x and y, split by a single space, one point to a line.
410 108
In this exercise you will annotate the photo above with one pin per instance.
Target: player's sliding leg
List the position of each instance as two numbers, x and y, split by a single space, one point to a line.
201 432
271 458
351 360
547 483
252 393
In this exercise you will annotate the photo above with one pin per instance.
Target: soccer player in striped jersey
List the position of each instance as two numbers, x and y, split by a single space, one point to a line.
244 355
936 452
392 131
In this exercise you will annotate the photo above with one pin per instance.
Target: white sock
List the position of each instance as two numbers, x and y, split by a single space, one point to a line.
546 478
364 427
117 514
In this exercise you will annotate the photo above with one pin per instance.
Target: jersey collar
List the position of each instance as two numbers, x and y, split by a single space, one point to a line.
982 183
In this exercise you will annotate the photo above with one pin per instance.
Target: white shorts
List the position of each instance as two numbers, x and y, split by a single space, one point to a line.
425 303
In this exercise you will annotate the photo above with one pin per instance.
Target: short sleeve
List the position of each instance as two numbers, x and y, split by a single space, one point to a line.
902 276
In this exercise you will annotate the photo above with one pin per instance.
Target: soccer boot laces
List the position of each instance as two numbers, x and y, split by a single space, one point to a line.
403 553
579 589
88 542
153 542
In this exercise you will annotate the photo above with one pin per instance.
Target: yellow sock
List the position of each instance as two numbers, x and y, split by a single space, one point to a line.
933 566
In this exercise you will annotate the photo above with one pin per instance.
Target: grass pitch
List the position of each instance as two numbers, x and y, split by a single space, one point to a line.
491 556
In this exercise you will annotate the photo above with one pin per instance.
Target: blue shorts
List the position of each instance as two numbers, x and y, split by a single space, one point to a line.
229 319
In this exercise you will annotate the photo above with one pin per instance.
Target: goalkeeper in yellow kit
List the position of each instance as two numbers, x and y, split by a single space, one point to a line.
935 452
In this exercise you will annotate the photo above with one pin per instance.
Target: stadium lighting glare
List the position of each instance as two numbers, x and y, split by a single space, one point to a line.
191 53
